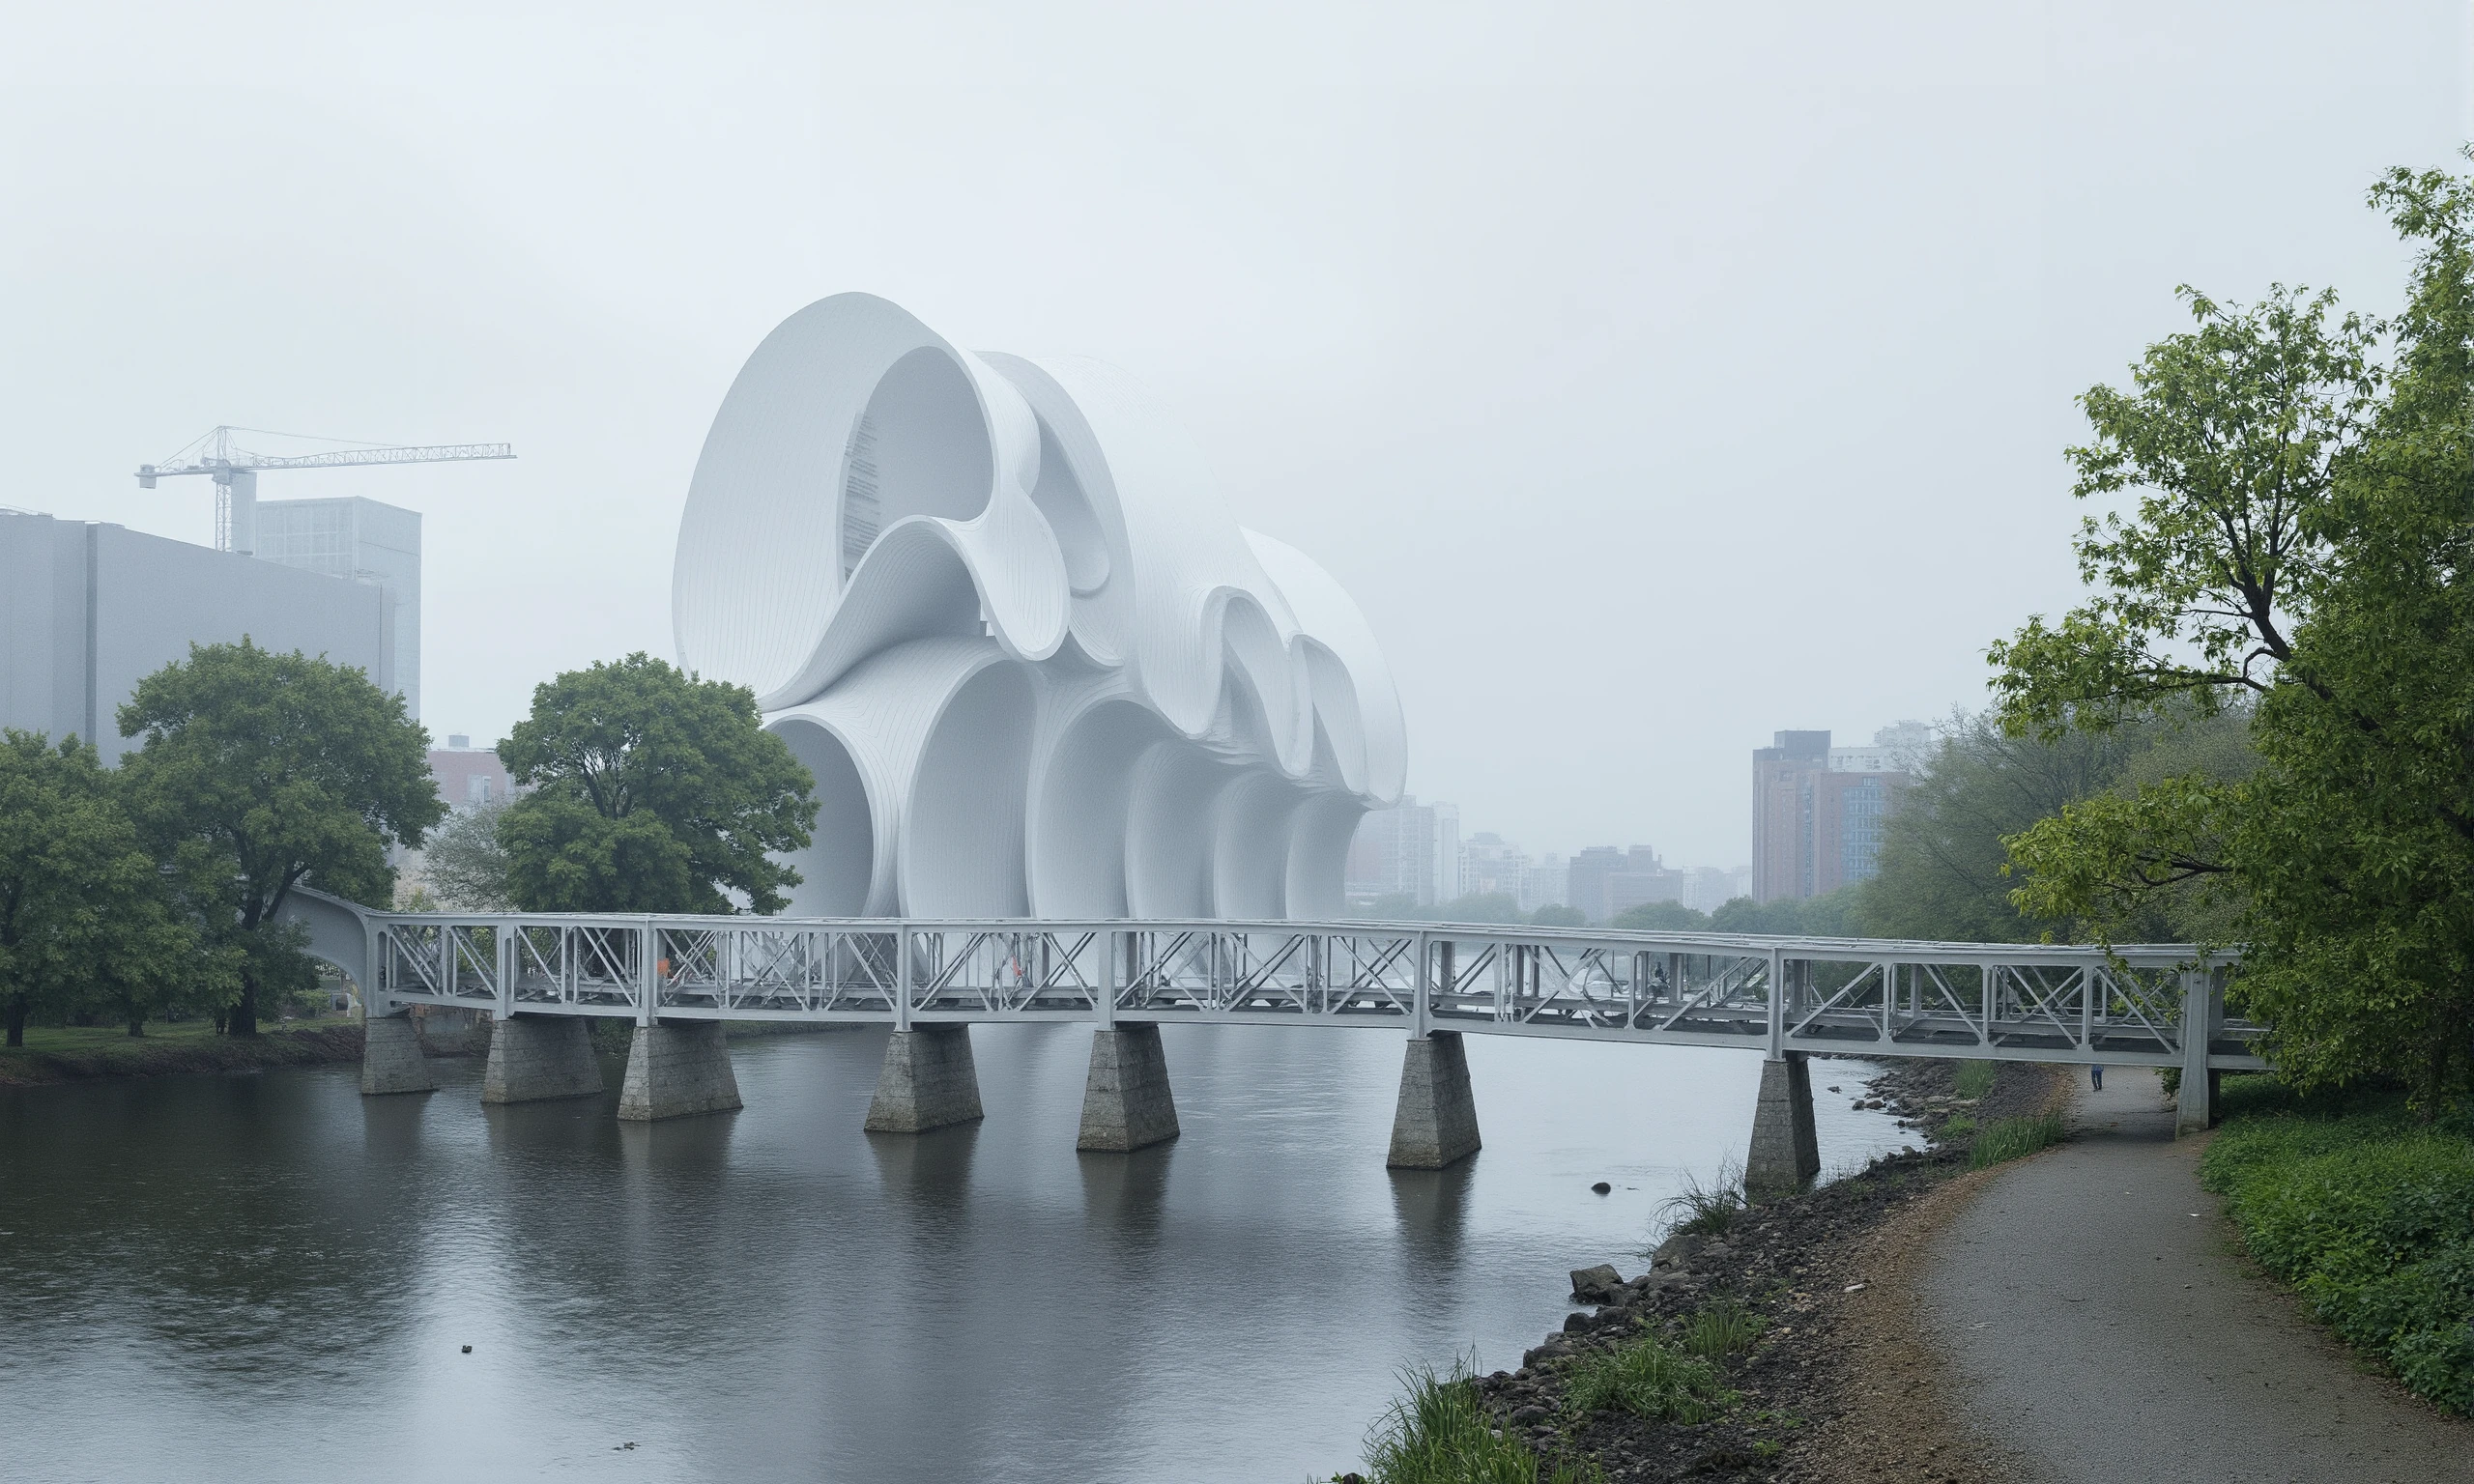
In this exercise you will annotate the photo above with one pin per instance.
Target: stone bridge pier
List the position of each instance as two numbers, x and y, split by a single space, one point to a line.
1785 1155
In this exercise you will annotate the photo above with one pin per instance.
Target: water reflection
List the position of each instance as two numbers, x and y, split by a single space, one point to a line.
271 1277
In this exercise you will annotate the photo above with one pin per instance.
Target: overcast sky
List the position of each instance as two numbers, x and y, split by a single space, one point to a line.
1656 377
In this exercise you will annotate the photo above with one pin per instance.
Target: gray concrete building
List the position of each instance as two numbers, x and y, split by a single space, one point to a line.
87 609
364 540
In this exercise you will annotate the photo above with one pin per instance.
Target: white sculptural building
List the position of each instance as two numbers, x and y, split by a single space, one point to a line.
998 609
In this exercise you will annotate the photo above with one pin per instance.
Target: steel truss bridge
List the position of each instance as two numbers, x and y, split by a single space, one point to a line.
2158 1005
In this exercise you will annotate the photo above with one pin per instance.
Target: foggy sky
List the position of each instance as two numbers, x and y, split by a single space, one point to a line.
1655 380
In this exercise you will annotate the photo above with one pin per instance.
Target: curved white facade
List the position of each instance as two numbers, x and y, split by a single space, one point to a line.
997 607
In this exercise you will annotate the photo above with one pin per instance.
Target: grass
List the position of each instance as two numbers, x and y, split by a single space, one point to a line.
1957 1128
1648 1377
1438 1433
1976 1078
2010 1138
54 1054
1705 1210
1723 1328
2366 1209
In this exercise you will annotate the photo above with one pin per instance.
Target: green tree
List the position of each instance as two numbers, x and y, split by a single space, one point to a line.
1557 915
67 856
260 772
1828 916
1944 873
2316 546
655 792
1660 917
465 864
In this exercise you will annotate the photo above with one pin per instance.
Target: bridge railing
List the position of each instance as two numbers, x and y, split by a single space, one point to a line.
2034 1002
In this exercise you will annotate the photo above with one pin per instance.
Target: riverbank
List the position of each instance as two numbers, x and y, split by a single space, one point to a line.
54 1054
78 1053
1743 1352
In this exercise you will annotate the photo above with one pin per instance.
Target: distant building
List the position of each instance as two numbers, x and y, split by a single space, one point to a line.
1818 812
1546 882
363 541
88 609
469 777
1411 850
1490 864
1604 882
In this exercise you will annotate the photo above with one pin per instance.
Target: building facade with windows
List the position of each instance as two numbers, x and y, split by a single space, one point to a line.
1819 811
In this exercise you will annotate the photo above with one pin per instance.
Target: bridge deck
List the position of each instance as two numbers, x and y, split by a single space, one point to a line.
2022 1002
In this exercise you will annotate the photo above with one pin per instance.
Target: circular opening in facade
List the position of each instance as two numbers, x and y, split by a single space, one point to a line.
962 839
840 861
920 448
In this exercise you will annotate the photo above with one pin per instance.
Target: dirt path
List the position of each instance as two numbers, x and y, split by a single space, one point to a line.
2092 1315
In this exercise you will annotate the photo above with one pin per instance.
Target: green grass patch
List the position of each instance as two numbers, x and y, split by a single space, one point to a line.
60 1053
1438 1433
2010 1138
1722 1328
1649 1377
2370 1213
1976 1078
1957 1128
1705 1210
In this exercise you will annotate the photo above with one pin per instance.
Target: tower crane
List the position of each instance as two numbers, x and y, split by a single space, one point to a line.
236 469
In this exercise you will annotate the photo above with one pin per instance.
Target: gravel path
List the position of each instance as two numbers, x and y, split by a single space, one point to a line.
2093 1315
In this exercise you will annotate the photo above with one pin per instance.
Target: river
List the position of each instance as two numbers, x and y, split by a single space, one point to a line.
270 1277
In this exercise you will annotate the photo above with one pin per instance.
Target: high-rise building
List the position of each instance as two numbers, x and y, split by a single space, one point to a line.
365 541
1547 882
87 609
1818 812
1411 850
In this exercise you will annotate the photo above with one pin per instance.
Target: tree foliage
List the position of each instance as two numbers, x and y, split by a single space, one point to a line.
86 921
465 863
2315 561
1945 872
260 772
655 792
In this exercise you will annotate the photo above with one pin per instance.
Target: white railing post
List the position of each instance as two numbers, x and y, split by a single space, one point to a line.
648 974
1777 1002
902 975
1109 949
1420 985
509 958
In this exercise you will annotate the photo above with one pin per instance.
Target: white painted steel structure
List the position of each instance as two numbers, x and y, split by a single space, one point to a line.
1854 996
998 609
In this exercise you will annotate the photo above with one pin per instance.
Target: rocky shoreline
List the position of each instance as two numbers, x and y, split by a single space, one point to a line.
1792 1277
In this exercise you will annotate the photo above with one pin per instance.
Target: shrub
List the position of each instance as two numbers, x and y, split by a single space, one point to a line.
1648 1377
2012 1137
2371 1217
1440 1434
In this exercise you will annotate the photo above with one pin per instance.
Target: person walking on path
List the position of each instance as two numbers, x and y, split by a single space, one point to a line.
2096 1076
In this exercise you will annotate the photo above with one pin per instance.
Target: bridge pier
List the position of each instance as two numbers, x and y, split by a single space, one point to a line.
1126 1100
392 1059
1785 1155
534 1058
674 1071
927 1080
1435 1122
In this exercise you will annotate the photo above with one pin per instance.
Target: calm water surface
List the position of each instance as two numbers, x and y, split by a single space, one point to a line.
270 1277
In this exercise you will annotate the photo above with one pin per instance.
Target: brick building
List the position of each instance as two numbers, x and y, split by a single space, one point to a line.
1818 812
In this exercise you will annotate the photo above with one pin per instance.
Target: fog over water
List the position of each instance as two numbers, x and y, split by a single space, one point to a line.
1657 376
269 1277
